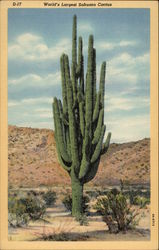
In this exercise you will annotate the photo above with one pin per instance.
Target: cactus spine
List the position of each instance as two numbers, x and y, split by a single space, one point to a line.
79 119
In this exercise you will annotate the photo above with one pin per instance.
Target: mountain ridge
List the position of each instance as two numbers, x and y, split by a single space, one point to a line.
32 161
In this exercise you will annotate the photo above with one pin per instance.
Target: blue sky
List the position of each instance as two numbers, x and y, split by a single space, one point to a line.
37 38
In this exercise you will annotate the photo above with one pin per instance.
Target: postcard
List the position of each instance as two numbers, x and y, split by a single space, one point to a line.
79 125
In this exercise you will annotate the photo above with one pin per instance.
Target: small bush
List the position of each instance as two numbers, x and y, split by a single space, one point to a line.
24 206
141 201
82 219
116 211
17 215
49 198
35 208
67 201
55 237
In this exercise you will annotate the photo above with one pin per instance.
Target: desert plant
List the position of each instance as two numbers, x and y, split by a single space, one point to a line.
141 201
82 219
64 231
67 201
116 211
49 197
79 120
34 207
17 215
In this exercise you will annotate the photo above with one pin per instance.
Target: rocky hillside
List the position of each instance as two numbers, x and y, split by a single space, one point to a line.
32 161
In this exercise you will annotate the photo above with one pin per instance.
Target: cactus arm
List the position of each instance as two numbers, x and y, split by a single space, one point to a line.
64 91
89 86
106 144
96 108
98 148
65 165
102 82
65 124
72 122
74 40
82 121
85 164
68 140
79 65
59 132
99 127
74 58
92 171
94 78
82 76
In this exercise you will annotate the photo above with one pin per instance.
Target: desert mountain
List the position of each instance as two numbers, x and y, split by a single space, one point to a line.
32 161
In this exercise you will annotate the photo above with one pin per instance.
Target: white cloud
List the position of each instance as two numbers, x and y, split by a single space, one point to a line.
130 128
85 27
29 47
125 43
128 69
102 45
127 59
27 39
12 104
31 112
30 101
116 103
36 80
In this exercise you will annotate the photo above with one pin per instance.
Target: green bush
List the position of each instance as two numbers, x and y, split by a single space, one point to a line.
49 197
23 207
34 207
141 201
116 211
67 201
55 237
82 219
17 215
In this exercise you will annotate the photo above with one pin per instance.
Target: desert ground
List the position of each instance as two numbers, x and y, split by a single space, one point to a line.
58 225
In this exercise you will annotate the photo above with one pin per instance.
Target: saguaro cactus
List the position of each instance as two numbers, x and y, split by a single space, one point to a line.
79 118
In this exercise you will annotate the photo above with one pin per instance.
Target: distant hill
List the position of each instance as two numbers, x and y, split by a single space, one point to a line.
32 161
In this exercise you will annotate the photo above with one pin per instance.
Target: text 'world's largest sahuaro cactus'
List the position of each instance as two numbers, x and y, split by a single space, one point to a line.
79 119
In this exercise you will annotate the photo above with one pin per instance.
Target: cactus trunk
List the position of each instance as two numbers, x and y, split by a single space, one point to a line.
79 118
77 195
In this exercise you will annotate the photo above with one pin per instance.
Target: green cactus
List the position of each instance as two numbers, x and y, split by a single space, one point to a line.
79 121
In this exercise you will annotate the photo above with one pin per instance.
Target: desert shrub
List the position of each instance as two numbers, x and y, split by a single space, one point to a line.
34 207
49 197
132 195
137 197
32 192
92 193
116 211
141 201
17 215
67 201
82 219
55 237
63 236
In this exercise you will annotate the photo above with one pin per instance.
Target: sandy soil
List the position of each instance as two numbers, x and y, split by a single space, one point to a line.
57 220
